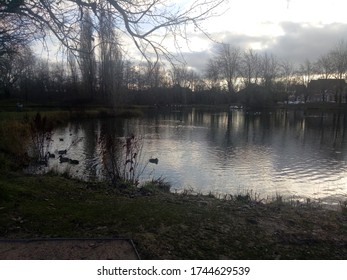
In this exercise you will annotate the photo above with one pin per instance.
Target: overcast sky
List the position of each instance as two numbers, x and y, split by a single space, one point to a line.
291 29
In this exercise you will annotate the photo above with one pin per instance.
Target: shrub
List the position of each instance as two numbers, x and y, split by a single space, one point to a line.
41 135
14 136
122 158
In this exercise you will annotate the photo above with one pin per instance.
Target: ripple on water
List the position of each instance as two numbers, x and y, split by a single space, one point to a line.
211 153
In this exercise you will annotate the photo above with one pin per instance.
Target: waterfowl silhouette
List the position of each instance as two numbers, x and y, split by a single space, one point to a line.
49 155
63 159
154 160
62 152
43 162
74 161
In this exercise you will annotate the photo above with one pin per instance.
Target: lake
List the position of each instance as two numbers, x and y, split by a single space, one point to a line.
290 153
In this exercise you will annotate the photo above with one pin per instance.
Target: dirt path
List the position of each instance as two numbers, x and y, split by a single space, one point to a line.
68 249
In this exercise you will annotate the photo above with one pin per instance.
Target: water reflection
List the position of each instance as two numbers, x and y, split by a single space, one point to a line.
285 152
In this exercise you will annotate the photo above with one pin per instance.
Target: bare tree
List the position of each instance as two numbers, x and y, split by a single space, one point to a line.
155 75
324 66
269 70
306 72
287 74
87 55
111 64
250 67
13 66
228 58
339 60
140 19
213 74
14 32
195 81
73 69
180 76
129 76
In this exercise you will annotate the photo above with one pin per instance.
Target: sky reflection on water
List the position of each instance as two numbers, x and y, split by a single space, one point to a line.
288 153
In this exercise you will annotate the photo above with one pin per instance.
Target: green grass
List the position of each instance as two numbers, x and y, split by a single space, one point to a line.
169 226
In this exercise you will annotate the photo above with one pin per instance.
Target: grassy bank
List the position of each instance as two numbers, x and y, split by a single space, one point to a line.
169 226
163 225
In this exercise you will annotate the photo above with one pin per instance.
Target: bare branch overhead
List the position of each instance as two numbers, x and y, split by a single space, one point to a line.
138 19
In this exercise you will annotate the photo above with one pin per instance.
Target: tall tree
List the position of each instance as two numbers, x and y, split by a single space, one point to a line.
339 60
306 72
213 74
73 71
111 64
269 70
87 55
154 74
287 74
250 67
228 58
325 66
14 65
180 76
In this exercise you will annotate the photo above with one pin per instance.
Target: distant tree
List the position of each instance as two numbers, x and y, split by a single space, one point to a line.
195 81
180 76
250 67
338 58
269 70
324 66
306 72
155 75
287 74
129 75
213 74
228 59
72 65
14 66
58 78
42 80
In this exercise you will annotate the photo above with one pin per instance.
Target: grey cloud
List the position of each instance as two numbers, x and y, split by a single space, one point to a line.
197 60
300 42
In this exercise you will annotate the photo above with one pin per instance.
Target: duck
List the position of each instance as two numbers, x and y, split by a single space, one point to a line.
73 161
49 155
63 159
154 160
62 152
43 162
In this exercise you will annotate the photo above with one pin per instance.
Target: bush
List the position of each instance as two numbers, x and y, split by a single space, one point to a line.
122 158
14 138
41 135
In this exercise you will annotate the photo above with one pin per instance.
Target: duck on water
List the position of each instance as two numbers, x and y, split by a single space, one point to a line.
63 159
154 160
69 160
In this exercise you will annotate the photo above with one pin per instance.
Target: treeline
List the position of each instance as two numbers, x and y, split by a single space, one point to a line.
96 71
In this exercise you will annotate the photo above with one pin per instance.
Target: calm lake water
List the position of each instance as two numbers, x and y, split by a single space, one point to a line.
291 153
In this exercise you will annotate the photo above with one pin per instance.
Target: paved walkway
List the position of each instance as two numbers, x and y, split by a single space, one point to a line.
68 249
